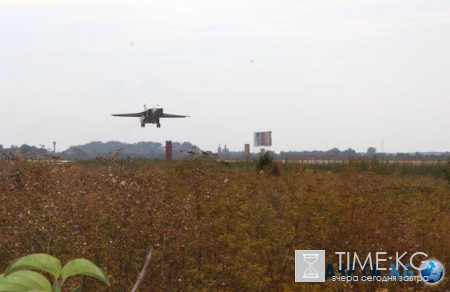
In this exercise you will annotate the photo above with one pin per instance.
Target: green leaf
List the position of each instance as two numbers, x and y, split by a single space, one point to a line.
13 287
24 281
56 286
38 261
83 267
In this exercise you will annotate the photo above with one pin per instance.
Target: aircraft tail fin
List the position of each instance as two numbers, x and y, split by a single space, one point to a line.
145 107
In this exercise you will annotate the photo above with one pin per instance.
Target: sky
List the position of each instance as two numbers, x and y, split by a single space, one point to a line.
318 74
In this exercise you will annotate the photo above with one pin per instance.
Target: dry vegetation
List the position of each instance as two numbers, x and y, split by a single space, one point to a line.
218 227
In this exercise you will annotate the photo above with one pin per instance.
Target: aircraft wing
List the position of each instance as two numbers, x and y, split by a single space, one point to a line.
136 115
172 116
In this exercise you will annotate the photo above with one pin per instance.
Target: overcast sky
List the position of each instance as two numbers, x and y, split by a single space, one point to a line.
318 74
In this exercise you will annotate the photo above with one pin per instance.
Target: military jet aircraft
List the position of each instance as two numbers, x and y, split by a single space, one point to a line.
150 116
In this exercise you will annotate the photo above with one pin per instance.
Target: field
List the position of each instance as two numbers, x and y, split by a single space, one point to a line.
218 226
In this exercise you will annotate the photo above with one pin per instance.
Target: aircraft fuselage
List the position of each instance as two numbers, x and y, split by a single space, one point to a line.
151 116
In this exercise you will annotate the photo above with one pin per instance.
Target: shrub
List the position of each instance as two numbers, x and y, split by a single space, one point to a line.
218 228
264 160
20 277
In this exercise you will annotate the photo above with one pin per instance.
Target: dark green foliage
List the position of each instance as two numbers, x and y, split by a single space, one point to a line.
264 160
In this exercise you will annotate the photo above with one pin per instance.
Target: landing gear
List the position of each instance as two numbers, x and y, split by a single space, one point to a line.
158 125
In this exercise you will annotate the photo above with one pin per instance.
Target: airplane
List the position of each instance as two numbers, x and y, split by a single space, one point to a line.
150 116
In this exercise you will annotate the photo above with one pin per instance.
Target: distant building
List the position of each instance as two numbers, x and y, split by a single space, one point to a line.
219 150
371 151
168 150
226 152
247 151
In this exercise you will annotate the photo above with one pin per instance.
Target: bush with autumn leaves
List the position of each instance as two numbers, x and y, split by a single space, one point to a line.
215 226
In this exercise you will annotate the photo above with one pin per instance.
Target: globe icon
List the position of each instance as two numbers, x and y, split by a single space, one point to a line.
434 271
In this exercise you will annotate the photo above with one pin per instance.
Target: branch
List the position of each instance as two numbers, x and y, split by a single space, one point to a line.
142 273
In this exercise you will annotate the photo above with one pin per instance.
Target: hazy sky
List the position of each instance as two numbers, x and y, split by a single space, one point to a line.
318 74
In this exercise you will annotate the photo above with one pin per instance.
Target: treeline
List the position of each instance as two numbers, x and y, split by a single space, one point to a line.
150 150
92 150
350 153
156 150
